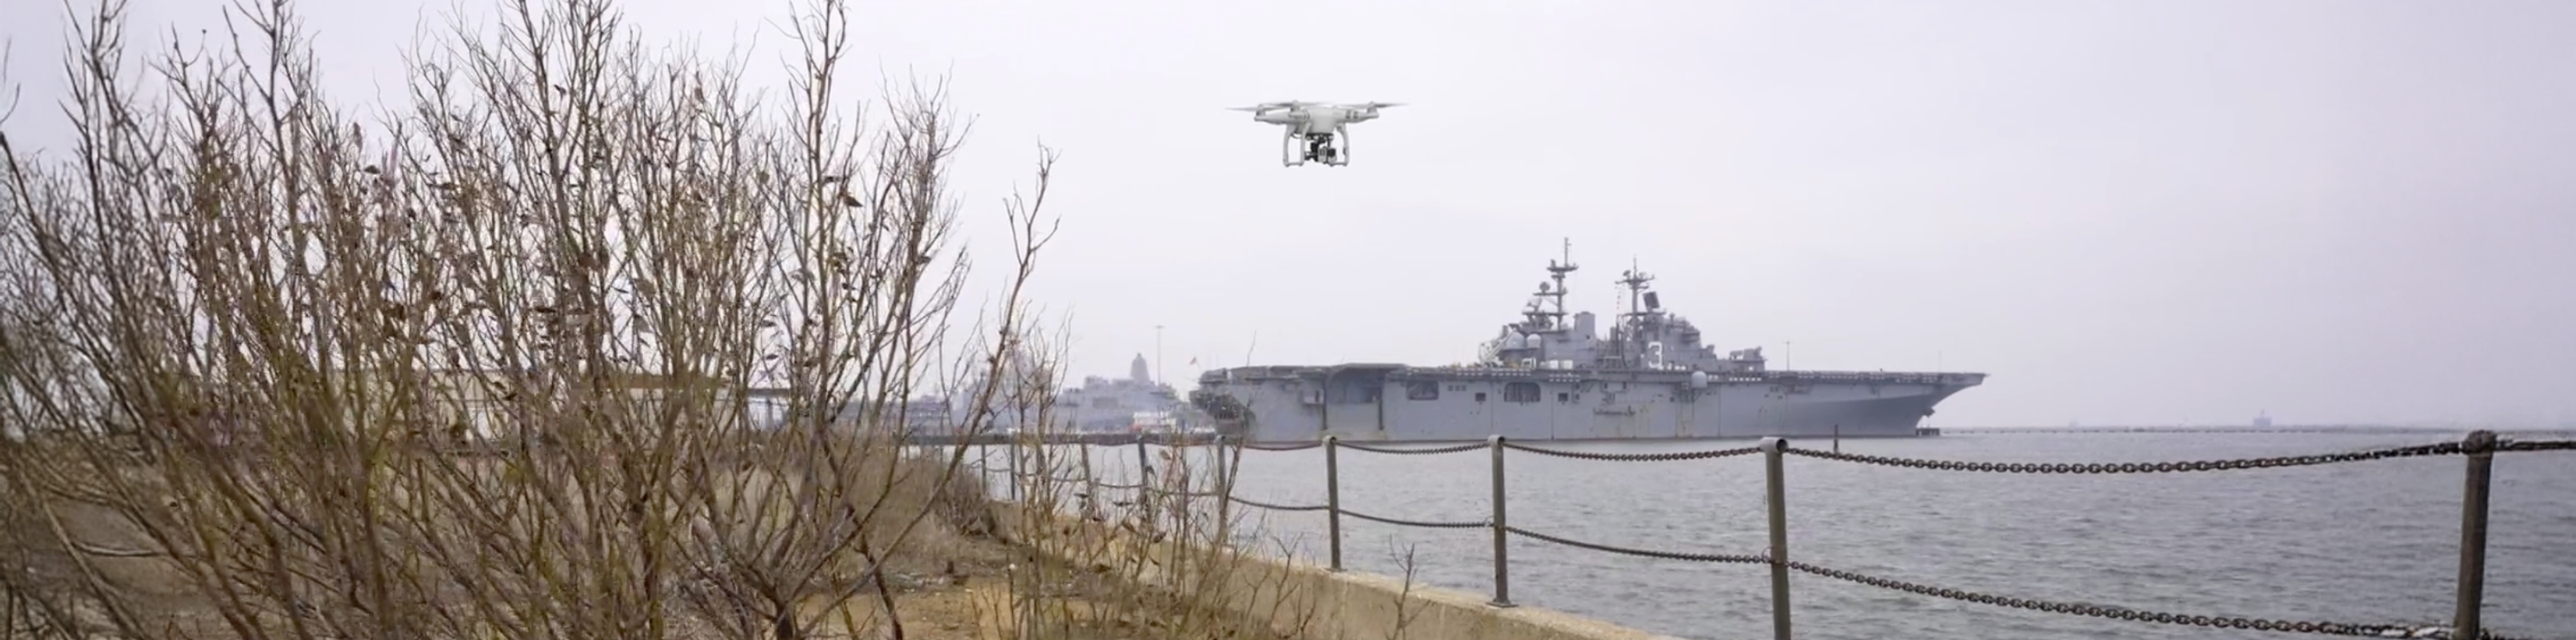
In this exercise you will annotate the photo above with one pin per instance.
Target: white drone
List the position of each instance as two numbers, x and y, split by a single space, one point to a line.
1324 128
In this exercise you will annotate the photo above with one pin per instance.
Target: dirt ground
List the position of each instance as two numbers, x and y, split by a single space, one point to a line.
955 586
973 602
966 597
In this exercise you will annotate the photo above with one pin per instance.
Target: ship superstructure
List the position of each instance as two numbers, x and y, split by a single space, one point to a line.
1553 375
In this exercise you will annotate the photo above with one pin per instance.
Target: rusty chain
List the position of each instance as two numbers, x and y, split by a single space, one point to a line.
1282 507
1278 447
1278 507
2438 449
1081 481
2122 613
1413 452
1418 523
1635 457
1184 493
1642 553
2536 445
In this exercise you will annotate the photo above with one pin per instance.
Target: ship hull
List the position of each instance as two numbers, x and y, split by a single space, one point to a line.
1389 403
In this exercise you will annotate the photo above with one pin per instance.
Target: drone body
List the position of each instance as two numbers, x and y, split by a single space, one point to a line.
1316 131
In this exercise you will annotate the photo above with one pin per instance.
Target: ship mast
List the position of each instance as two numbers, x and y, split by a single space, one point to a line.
1556 294
1546 312
1635 320
1635 282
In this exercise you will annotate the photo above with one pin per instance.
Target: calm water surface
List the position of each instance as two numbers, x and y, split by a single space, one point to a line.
2365 542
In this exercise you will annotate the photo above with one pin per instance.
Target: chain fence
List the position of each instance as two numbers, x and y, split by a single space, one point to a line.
1640 553
1278 507
1082 481
1402 451
1637 457
2479 446
2125 613
2440 449
2537 445
1421 524
1278 447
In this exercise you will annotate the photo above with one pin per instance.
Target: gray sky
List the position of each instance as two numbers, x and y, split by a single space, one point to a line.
2127 212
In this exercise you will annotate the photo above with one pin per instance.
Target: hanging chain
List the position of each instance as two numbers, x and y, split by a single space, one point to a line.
2438 449
1636 457
1414 452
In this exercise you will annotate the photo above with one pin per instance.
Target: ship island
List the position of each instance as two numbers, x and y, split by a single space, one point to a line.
1552 376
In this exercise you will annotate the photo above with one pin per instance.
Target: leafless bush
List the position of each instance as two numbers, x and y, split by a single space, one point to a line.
1104 559
1405 608
488 365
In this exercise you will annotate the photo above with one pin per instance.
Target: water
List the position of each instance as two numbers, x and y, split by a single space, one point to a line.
2366 542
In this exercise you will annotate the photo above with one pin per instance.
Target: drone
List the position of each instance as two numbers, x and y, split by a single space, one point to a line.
1324 128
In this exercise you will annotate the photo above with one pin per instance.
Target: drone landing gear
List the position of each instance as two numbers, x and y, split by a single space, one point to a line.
1326 148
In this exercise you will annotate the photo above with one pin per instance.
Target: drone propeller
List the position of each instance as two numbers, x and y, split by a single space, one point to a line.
1289 104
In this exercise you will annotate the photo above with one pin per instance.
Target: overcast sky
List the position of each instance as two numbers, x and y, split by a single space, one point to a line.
2126 212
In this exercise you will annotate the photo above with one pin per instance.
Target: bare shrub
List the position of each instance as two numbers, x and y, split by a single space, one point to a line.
582 342
1160 556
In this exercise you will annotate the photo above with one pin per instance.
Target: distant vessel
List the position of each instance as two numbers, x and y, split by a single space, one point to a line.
1548 378
2263 419
1135 403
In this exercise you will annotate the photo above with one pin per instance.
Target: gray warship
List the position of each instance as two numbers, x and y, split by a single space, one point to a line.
1551 376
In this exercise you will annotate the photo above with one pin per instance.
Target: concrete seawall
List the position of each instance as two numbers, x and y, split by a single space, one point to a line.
1302 596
